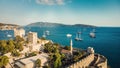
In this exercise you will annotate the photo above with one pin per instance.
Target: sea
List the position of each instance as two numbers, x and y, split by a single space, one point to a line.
107 41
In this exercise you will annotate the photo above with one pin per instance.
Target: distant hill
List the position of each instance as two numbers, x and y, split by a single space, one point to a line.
4 24
47 24
84 25
44 24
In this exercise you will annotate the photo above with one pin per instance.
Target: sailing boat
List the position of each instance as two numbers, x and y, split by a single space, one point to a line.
92 33
44 35
78 37
47 32
9 35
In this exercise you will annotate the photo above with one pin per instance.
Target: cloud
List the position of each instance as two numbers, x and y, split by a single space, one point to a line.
52 2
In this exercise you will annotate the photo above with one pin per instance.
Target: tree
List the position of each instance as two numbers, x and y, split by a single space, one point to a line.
3 61
67 47
38 63
19 46
42 38
46 67
77 55
57 62
19 39
15 53
10 45
3 48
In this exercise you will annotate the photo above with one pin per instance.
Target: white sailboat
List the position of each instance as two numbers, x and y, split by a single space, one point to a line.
44 35
92 33
47 32
9 35
78 37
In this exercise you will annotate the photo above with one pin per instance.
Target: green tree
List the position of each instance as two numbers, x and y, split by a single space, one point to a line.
38 63
67 47
15 53
77 55
19 39
42 38
46 67
57 62
3 61
63 56
10 45
3 48
19 46
19 43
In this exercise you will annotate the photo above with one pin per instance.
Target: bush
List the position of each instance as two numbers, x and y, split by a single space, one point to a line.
67 47
31 54
38 63
15 53
3 61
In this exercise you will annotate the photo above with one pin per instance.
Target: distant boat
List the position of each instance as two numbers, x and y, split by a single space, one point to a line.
78 37
9 35
68 35
92 33
47 32
44 35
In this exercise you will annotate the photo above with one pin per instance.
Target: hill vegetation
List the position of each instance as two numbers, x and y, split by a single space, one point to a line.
3 24
48 24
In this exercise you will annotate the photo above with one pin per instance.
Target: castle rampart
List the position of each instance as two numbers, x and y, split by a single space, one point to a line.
101 62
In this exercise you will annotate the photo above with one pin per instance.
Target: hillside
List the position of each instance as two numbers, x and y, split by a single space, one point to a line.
47 24
3 24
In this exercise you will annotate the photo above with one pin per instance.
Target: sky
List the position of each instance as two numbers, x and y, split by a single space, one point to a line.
91 12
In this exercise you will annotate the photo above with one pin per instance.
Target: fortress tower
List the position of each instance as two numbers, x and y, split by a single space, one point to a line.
32 37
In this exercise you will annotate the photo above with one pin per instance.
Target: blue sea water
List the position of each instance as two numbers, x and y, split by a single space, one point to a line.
107 41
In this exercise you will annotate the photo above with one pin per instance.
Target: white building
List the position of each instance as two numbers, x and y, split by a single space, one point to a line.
32 37
90 50
30 62
19 32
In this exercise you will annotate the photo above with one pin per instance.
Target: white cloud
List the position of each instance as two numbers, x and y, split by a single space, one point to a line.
52 2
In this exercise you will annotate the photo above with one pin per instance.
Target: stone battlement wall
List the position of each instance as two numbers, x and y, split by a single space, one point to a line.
85 62
102 64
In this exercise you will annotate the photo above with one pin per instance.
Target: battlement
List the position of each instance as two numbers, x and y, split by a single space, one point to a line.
101 62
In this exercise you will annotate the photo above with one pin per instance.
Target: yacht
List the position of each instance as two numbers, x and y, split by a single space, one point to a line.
78 37
47 32
44 35
92 33
9 35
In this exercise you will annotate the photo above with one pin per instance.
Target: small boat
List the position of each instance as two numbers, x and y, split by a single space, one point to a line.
68 35
44 35
78 37
92 33
47 32
9 35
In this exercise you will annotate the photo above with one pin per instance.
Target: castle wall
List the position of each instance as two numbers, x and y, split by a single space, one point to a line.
102 64
84 62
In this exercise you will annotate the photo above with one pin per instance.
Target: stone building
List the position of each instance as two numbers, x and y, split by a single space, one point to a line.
19 32
30 62
32 37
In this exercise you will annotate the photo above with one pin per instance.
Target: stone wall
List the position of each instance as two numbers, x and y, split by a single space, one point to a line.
103 64
85 62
